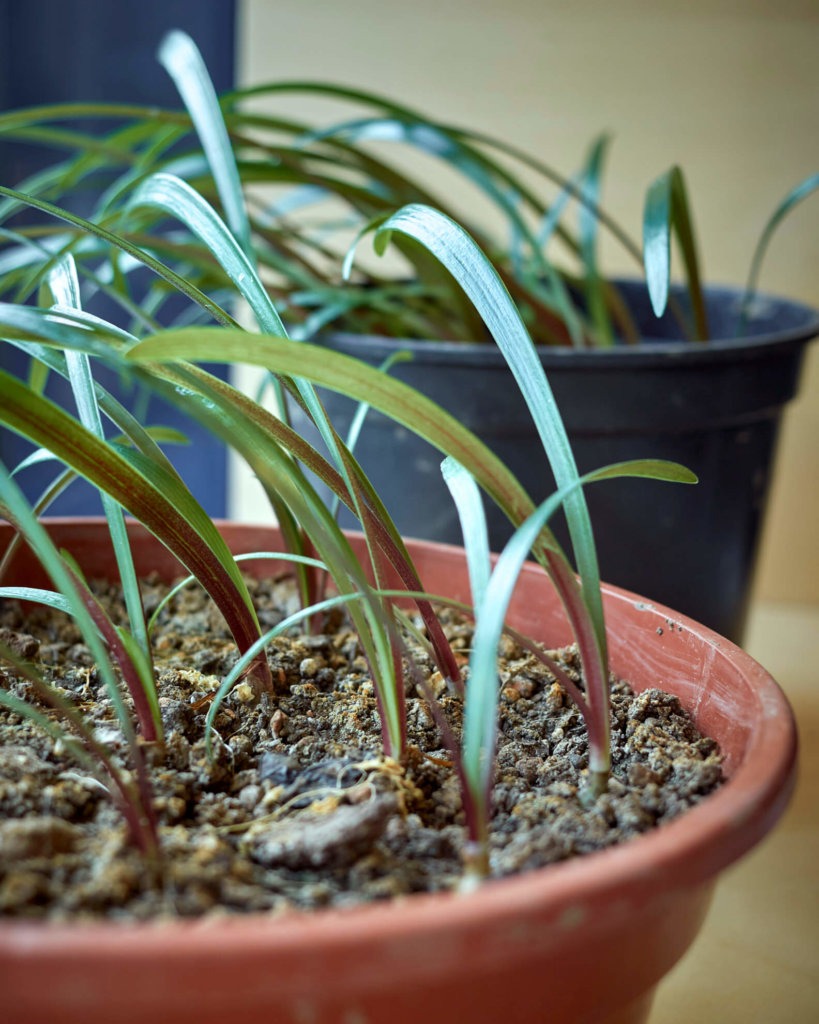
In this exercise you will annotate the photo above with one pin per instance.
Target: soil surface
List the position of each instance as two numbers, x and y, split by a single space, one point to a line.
297 806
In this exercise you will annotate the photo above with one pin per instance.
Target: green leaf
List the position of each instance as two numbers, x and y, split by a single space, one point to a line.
589 223
279 556
65 287
667 210
177 198
472 517
156 497
183 62
37 376
175 280
796 195
457 251
480 713
39 324
49 598
348 376
267 444
358 420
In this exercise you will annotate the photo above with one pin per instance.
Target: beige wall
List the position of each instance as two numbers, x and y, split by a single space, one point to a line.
727 88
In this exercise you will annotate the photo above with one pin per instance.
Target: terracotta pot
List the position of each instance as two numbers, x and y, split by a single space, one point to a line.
583 941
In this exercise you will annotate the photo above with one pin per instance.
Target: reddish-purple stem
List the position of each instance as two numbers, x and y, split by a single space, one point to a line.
138 812
119 653
595 708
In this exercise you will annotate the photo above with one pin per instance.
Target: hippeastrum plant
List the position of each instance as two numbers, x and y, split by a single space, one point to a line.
294 194
132 473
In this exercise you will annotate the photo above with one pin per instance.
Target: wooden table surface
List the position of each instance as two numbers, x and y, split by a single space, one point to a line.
756 960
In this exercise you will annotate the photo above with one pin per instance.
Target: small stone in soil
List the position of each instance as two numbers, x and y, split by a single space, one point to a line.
333 838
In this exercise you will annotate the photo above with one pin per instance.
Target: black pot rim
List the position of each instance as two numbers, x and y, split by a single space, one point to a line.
649 352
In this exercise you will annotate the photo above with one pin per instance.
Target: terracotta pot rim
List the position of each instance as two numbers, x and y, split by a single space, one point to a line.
690 850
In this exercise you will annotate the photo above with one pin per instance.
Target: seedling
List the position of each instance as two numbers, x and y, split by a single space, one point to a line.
139 478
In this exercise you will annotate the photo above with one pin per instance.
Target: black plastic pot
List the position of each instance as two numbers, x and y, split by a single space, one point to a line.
714 407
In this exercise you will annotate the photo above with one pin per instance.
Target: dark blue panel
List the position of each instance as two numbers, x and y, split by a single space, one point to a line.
89 50
101 50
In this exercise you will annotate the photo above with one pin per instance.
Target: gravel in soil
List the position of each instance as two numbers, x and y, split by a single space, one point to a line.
297 807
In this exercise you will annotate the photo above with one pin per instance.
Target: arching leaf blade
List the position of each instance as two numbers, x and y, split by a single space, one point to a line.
183 62
667 210
794 197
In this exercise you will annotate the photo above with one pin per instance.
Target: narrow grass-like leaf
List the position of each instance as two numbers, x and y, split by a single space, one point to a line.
796 195
667 210
38 377
183 62
474 531
64 479
65 288
146 439
492 180
589 224
340 373
36 458
231 416
267 444
480 713
174 279
453 246
49 598
175 196
277 556
236 418
344 374
16 509
154 496
348 600
50 494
